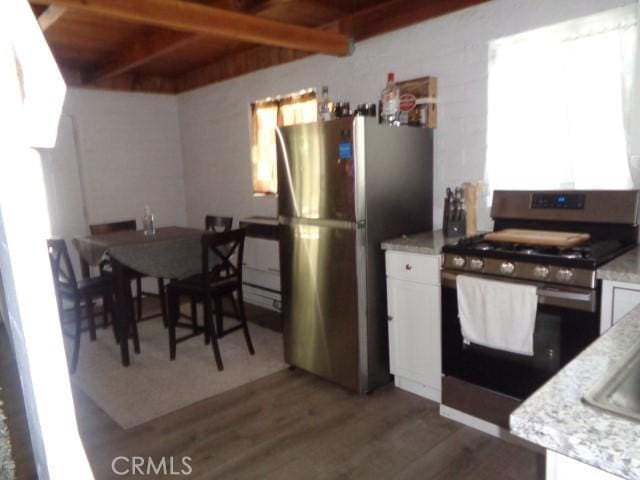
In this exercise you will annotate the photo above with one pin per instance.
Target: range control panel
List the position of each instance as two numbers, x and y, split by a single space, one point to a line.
569 201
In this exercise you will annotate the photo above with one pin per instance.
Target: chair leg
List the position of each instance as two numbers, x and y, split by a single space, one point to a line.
219 317
105 312
76 337
194 320
138 299
207 321
107 304
163 302
245 327
133 331
213 335
234 304
135 337
174 312
90 319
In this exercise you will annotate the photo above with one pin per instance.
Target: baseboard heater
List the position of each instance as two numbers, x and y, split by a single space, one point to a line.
262 296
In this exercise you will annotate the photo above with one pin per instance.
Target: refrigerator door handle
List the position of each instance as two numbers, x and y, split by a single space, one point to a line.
287 167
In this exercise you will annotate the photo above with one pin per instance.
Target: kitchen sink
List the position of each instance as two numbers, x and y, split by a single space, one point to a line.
619 391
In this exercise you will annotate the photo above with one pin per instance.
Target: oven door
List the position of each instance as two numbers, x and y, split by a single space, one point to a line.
567 321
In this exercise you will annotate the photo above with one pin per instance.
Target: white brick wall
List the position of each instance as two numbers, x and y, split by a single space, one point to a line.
214 120
187 156
128 148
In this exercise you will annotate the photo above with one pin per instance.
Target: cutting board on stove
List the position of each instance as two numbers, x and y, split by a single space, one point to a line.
545 238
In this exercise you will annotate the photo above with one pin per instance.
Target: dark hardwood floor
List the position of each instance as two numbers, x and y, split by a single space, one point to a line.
290 425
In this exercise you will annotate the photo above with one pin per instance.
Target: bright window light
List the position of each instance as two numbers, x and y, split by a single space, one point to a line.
31 95
266 115
558 108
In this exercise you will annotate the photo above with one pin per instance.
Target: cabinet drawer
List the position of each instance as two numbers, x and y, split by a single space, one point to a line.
413 267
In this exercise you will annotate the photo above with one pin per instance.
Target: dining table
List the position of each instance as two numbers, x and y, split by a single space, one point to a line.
169 253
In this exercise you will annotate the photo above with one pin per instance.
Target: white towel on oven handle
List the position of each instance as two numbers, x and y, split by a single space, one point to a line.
497 315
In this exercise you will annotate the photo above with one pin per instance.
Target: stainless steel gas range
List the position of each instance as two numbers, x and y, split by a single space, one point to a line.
490 383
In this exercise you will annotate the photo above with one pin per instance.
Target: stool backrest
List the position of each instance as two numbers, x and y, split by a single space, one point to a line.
63 275
218 223
222 253
102 228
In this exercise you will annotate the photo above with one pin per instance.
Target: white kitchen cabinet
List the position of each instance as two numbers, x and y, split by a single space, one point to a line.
561 467
618 299
413 304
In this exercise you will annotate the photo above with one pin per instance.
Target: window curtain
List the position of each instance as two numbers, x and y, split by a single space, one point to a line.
265 117
559 101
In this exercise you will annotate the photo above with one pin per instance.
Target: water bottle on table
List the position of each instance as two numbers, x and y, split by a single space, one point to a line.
148 224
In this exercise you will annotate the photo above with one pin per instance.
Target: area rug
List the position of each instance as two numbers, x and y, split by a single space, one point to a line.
153 385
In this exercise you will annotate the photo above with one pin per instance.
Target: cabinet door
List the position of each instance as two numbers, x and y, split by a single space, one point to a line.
414 331
624 300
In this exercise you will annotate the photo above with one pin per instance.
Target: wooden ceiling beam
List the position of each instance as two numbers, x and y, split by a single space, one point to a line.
50 15
195 18
376 20
147 47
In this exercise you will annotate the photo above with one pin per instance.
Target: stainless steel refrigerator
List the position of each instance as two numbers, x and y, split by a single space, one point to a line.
343 187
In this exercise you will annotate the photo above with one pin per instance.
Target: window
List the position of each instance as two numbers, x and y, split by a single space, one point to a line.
266 115
558 105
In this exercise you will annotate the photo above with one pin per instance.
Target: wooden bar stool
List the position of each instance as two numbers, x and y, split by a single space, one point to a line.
81 294
221 276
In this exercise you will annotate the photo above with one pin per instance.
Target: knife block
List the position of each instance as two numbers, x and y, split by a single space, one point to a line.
454 223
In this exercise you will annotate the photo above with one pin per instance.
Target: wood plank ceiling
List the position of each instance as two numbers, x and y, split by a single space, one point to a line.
172 46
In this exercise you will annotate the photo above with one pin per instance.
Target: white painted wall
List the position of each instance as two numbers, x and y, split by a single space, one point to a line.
65 203
189 155
129 155
214 120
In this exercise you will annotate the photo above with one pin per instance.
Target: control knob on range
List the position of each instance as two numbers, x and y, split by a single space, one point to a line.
540 271
476 264
565 275
507 268
458 261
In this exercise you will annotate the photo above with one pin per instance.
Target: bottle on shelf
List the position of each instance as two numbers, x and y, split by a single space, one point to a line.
390 102
148 224
325 112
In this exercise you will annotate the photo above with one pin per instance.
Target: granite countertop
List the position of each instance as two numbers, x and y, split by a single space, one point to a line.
555 417
625 268
426 243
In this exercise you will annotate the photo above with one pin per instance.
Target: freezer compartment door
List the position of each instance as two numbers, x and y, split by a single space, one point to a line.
316 171
320 301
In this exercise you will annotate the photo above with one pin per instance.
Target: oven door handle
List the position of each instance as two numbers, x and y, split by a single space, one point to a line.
561 294
585 300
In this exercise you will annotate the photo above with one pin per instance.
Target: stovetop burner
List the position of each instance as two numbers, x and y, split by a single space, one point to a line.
589 255
608 218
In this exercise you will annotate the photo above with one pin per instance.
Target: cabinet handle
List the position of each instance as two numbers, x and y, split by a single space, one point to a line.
389 318
408 266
